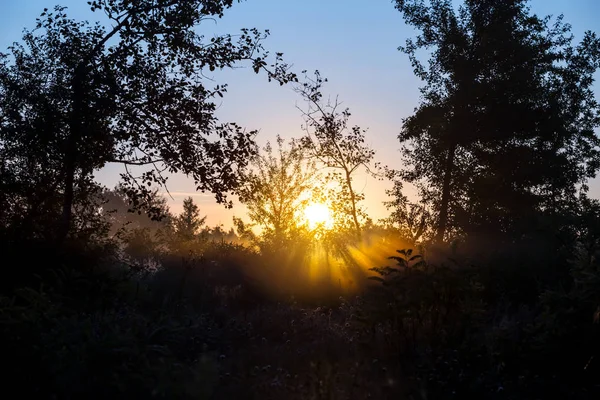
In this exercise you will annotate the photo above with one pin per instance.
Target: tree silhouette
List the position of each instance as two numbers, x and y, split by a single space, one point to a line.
276 189
339 148
116 207
505 128
412 220
188 224
78 96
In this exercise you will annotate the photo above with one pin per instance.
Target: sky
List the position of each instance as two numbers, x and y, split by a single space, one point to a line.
353 43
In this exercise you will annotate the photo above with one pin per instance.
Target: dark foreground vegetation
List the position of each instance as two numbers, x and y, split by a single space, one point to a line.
486 287
513 324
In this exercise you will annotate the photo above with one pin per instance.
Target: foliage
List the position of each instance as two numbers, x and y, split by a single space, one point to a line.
117 353
423 297
413 221
244 231
276 190
140 234
458 339
218 234
76 97
339 148
501 84
188 224
117 210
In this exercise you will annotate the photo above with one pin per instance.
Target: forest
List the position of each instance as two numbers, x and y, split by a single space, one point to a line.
482 282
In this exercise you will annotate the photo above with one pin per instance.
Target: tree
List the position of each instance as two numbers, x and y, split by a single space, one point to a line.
140 236
277 188
244 231
33 103
339 148
188 224
219 235
117 208
411 220
505 128
75 97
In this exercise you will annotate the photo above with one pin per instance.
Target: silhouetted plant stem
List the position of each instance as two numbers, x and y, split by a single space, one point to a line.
443 218
353 201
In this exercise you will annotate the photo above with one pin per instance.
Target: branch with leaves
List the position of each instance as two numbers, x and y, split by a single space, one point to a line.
338 147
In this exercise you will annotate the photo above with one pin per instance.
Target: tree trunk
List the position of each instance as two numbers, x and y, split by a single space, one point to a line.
443 218
70 156
76 130
354 211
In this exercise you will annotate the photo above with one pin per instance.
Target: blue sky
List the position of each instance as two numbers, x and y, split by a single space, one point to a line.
352 42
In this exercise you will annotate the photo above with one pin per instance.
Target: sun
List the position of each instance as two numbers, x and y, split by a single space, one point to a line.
318 214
